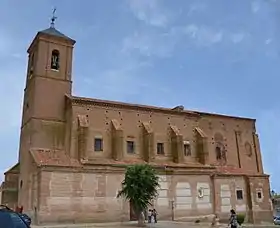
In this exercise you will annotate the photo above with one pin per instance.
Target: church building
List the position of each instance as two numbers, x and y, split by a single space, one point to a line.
74 151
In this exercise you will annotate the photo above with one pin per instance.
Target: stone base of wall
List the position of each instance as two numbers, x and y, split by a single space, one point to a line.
68 197
262 216
10 198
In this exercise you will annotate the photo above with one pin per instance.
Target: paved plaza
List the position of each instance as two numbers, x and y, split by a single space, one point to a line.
161 224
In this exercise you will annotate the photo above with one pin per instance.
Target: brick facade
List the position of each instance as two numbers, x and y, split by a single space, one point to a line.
9 187
74 150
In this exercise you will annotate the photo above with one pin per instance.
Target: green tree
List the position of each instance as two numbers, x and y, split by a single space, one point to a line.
140 188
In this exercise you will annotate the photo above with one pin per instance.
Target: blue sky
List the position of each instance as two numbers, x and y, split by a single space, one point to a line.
217 56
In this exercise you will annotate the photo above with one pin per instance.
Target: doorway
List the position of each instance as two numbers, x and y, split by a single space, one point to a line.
133 216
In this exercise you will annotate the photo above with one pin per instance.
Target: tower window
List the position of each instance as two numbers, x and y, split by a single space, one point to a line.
160 148
187 148
130 147
31 66
239 194
55 60
98 144
259 195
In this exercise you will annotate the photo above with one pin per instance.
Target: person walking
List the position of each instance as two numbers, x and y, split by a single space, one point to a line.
233 219
155 215
149 216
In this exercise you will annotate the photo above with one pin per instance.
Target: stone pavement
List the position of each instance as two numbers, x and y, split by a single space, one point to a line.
160 224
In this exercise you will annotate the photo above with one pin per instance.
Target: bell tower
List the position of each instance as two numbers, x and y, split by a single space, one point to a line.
48 80
49 74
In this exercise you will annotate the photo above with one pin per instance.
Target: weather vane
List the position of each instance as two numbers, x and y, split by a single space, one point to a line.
53 17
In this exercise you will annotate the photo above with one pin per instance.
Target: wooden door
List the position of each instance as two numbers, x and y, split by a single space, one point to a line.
133 216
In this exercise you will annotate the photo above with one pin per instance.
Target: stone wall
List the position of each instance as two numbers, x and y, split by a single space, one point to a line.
86 197
183 192
260 196
9 198
81 197
226 196
68 197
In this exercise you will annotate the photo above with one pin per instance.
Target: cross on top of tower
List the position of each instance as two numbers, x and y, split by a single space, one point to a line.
53 18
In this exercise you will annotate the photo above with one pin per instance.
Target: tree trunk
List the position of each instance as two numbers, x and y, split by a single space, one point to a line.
141 219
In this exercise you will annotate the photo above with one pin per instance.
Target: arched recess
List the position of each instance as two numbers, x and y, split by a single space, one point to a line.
220 150
248 149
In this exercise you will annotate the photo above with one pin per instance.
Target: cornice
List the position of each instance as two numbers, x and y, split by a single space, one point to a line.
137 107
128 106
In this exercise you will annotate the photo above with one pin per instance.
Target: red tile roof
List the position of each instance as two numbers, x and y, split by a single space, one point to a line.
99 161
48 157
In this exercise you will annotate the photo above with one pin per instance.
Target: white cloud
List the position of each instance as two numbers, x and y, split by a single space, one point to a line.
237 37
150 44
125 82
12 73
196 7
150 12
5 43
11 89
268 41
255 6
203 35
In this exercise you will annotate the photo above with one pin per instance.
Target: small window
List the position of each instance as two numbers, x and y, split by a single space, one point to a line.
98 144
187 148
20 185
259 195
31 60
130 147
31 66
55 60
160 148
239 194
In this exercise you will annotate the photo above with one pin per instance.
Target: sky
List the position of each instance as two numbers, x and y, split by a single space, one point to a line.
215 56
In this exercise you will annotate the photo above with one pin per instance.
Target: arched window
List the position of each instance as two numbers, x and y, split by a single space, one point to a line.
218 153
248 149
55 60
220 148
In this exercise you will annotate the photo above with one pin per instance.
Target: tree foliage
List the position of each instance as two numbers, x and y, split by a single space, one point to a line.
274 195
139 186
240 219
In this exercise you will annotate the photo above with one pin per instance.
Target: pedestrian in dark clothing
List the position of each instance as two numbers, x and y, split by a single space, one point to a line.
233 219
155 215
